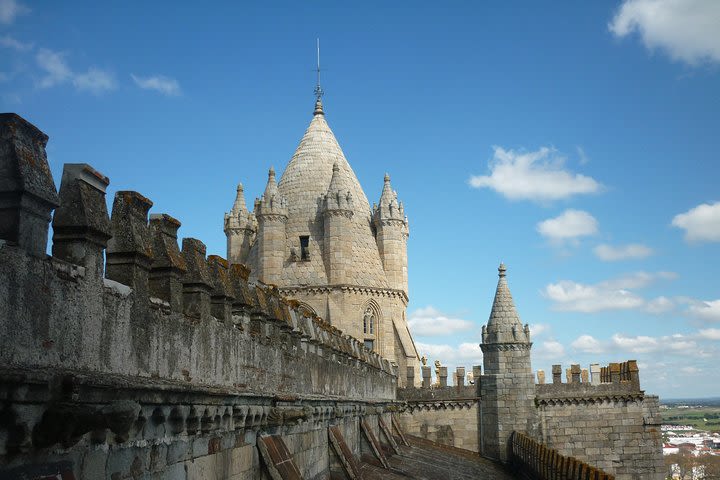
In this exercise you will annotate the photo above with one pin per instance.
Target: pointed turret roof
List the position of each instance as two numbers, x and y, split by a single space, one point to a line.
389 206
272 201
239 217
504 324
239 205
303 187
338 196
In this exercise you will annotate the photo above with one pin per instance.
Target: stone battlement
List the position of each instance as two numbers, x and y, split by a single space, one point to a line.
619 380
146 276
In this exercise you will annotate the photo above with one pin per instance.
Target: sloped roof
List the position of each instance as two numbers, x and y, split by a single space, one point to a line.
303 185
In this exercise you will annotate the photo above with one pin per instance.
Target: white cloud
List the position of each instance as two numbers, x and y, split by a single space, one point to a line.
637 280
431 322
702 223
159 83
9 42
688 30
56 68
537 329
609 253
568 226
94 81
10 9
659 305
57 72
550 349
537 175
466 354
710 334
676 343
613 294
706 310
587 344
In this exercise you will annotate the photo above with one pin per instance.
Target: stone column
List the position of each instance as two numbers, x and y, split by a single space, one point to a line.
221 298
575 373
81 226
595 374
168 265
541 377
27 191
460 376
585 376
426 376
443 374
129 251
557 374
197 284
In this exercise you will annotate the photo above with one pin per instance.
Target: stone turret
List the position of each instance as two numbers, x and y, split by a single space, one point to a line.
240 228
507 387
272 214
392 230
337 214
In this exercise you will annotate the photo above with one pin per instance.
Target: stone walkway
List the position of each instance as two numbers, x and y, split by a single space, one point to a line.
424 460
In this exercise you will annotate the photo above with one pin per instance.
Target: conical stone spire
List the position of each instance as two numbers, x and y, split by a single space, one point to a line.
239 217
239 205
271 202
389 207
504 325
338 196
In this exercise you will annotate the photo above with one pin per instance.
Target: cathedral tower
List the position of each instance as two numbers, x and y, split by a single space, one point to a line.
272 214
240 228
337 219
319 241
507 386
391 226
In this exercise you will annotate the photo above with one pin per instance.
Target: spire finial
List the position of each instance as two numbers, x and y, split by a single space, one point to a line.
318 89
502 269
387 178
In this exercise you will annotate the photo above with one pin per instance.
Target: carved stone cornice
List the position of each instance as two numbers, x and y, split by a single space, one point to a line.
272 217
344 288
390 222
437 405
338 213
591 399
505 347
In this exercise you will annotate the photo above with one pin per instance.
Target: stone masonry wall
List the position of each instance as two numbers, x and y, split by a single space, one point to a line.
446 415
611 425
122 356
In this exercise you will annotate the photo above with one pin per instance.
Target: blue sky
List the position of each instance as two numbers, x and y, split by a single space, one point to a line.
575 141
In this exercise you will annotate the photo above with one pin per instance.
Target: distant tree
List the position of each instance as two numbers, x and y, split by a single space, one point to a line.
685 462
712 466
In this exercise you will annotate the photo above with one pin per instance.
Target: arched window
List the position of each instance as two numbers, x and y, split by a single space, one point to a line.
369 321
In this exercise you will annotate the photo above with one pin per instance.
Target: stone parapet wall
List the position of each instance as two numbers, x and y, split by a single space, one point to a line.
613 426
123 355
445 415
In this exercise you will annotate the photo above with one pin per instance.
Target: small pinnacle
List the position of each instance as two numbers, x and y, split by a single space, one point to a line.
387 178
501 270
318 107
335 167
240 187
271 172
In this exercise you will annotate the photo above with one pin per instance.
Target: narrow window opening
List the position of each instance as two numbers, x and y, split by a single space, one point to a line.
369 344
305 248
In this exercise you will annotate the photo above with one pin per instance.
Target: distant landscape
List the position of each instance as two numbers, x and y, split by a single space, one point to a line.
700 413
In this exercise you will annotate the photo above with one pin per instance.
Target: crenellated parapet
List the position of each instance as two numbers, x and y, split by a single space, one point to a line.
117 320
27 189
614 382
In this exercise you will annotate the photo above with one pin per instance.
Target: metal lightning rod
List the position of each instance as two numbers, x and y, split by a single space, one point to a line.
318 89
